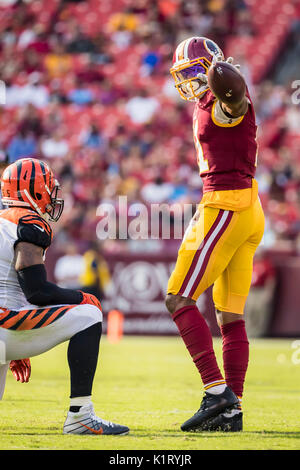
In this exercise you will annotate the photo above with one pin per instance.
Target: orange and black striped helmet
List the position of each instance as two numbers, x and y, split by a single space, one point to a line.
30 182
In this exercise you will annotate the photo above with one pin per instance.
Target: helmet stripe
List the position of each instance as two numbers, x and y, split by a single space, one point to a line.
43 171
50 180
32 180
179 51
19 169
9 173
186 48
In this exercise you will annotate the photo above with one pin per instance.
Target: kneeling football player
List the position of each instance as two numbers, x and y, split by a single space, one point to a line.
220 242
35 314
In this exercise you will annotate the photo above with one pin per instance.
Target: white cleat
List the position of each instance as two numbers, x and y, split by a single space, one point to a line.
86 422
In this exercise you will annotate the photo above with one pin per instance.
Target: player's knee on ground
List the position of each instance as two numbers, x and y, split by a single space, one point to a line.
175 302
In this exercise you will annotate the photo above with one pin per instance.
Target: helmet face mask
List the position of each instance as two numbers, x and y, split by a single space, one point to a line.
56 206
30 183
193 57
189 86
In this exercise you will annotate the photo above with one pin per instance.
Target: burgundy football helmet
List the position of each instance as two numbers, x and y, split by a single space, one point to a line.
192 57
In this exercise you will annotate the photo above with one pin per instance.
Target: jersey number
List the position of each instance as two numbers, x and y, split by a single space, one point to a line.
202 163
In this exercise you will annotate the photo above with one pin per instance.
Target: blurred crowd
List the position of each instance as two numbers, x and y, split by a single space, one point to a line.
88 89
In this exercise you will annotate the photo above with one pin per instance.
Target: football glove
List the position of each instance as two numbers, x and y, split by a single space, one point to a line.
217 58
90 299
21 369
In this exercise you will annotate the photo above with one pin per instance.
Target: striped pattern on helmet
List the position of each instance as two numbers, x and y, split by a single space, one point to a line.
181 52
27 176
195 47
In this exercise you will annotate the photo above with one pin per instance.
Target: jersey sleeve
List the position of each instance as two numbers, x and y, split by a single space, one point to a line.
33 229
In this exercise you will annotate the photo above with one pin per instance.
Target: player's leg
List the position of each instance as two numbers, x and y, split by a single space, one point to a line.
204 254
235 344
230 293
81 418
31 332
235 279
189 279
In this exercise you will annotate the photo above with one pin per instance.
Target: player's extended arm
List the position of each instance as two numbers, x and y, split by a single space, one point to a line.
228 85
235 110
32 276
239 108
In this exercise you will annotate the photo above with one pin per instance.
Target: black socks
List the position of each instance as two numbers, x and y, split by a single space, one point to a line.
83 353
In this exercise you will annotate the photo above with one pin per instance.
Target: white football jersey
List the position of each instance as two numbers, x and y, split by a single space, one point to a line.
17 224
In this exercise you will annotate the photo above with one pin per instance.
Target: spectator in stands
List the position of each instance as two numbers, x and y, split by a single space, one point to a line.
259 304
69 267
80 94
79 42
157 191
92 137
57 62
55 146
142 107
95 277
29 121
22 145
123 21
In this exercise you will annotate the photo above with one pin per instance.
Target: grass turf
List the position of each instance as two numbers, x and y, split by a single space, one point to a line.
151 385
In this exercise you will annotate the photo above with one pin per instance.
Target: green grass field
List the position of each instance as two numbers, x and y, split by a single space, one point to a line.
151 385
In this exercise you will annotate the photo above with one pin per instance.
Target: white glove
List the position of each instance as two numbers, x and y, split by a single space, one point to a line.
202 77
217 58
230 61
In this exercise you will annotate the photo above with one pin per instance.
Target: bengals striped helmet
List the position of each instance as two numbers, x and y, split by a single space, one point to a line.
29 182
192 57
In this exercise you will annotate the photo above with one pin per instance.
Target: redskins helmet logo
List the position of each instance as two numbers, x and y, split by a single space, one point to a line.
212 47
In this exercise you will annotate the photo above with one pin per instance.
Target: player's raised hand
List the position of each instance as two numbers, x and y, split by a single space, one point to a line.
90 299
219 58
21 369
230 60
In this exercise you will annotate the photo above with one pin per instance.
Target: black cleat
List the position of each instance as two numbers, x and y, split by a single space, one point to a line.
228 421
211 406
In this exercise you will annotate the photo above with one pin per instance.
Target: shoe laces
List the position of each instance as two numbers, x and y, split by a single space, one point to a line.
205 401
96 418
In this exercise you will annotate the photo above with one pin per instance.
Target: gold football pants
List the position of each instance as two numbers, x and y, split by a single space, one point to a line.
218 249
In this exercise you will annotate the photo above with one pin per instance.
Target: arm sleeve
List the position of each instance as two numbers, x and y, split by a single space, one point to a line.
33 229
38 291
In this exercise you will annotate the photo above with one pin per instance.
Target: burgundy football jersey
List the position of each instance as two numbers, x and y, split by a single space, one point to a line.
226 148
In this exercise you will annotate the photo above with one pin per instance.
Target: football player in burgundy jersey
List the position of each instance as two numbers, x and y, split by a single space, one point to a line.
220 242
35 314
